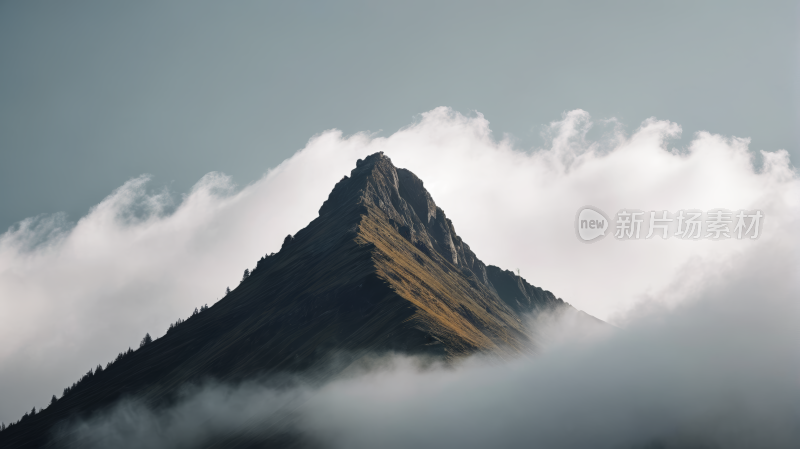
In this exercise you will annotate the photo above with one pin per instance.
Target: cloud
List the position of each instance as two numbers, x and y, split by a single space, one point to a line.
74 295
204 415
720 369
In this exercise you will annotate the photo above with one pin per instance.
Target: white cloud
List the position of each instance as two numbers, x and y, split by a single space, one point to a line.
718 370
71 298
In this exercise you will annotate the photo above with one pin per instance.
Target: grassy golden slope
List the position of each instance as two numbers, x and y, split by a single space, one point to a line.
464 316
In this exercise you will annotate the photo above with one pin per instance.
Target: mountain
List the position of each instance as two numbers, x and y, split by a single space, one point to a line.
380 269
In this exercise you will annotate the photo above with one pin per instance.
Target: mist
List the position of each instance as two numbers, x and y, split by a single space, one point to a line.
720 369
73 295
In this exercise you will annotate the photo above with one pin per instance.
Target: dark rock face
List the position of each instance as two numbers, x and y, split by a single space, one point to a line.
518 294
401 195
381 269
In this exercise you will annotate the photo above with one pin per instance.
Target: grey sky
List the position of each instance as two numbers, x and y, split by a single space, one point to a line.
95 93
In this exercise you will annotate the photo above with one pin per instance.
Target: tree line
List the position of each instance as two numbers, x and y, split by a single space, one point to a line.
99 370
93 374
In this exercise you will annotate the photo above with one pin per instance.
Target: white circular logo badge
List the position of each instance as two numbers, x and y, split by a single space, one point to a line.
591 224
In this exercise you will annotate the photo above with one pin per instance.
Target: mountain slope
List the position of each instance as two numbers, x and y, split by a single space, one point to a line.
380 269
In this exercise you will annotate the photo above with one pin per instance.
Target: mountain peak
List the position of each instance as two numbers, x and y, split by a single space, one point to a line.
402 197
380 269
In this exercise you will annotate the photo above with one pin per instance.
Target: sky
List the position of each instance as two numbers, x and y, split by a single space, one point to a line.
152 152
95 93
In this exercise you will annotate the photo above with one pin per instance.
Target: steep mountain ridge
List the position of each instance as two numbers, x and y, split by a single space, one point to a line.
380 269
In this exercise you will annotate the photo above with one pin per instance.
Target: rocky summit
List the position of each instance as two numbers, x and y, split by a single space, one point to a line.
381 269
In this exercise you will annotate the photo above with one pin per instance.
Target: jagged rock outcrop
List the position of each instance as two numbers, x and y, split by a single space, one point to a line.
401 195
